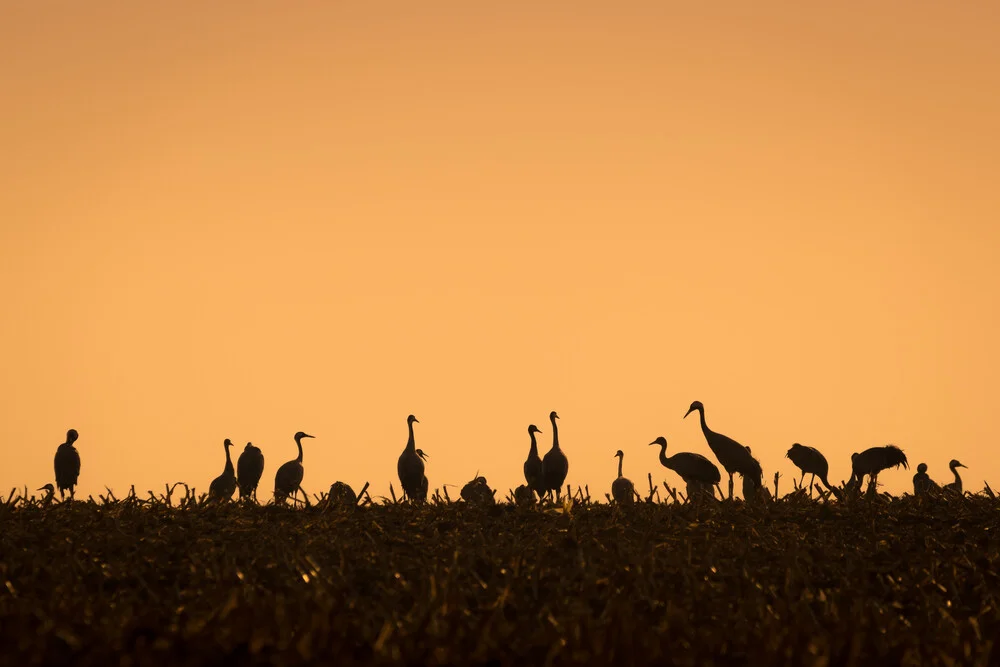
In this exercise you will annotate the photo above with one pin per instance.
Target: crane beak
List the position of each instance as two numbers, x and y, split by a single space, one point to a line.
651 444
687 413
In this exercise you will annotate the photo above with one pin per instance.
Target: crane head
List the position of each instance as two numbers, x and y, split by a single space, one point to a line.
227 443
71 436
661 441
422 455
300 435
922 468
955 464
553 416
533 429
411 420
248 447
694 406
619 454
47 487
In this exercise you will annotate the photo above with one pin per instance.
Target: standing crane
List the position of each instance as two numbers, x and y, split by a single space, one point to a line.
871 462
698 472
622 489
811 461
533 465
410 467
733 456
555 465
923 485
223 486
956 486
288 479
67 465
249 468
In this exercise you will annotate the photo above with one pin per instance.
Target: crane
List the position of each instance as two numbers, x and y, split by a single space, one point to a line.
622 489
956 486
249 468
555 465
923 485
67 464
698 473
533 465
811 461
872 461
223 486
733 456
289 476
410 467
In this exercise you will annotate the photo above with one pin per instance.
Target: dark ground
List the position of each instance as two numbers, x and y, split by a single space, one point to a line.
792 582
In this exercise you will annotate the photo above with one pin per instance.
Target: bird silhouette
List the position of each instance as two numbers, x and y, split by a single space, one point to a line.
249 468
871 462
410 467
533 465
67 464
810 461
698 473
733 456
956 486
288 479
923 485
622 489
223 486
555 465
50 492
478 492
341 495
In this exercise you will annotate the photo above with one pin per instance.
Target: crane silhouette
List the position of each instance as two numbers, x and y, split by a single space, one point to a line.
533 465
698 473
67 464
956 486
923 485
733 456
50 492
249 468
410 467
555 465
622 489
811 461
223 486
871 462
288 479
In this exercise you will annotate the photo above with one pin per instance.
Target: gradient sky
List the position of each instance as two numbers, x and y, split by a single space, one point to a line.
242 219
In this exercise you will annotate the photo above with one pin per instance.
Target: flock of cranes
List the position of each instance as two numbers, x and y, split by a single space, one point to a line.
544 476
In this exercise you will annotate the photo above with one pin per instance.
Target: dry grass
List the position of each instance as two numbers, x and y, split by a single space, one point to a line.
793 582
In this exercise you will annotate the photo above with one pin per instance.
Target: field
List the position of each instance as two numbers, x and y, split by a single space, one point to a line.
903 581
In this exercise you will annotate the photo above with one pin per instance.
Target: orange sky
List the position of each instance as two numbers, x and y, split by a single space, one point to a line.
242 219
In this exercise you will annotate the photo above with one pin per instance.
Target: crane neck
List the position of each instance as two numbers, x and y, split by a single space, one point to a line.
704 426
411 445
954 471
621 459
664 459
534 445
555 434
229 460
298 443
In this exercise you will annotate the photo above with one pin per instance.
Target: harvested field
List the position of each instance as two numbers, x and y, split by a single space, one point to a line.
903 581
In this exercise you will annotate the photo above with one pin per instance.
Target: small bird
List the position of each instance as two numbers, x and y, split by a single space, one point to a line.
555 465
923 485
698 473
533 465
223 486
67 464
288 479
810 461
410 467
956 486
249 468
622 489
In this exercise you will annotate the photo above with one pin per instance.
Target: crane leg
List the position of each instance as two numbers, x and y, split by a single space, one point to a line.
730 486
812 483
802 479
